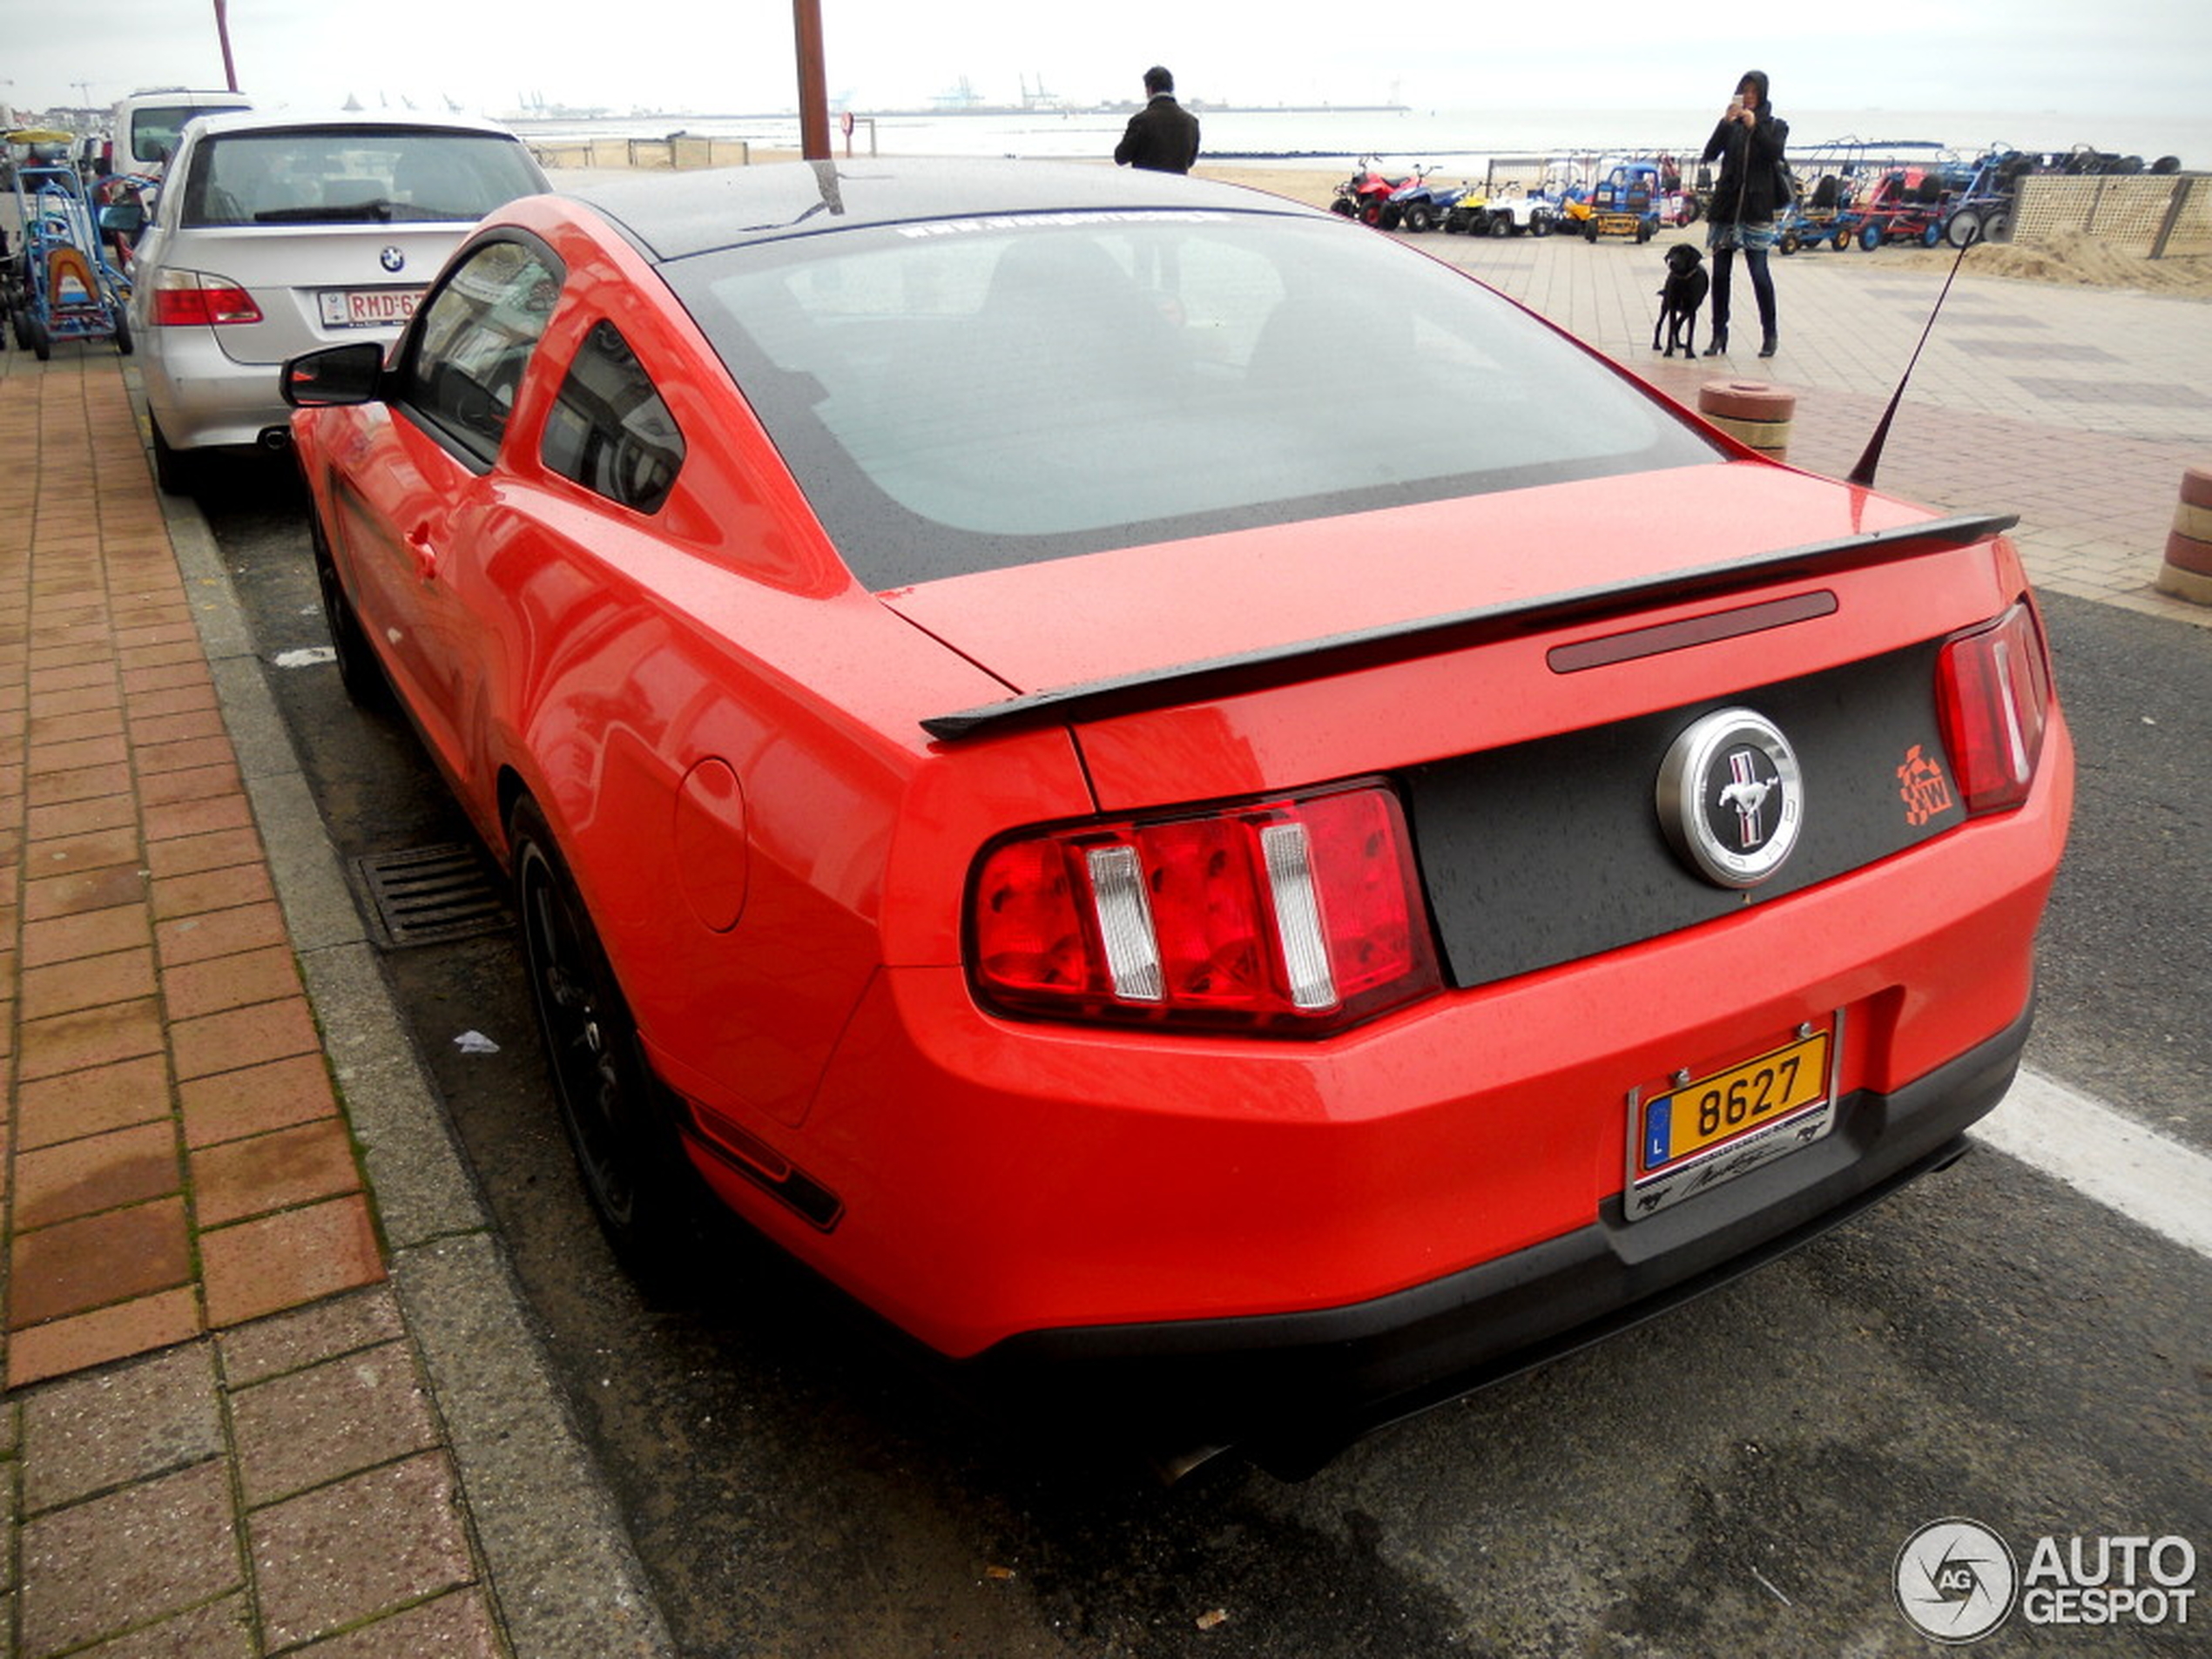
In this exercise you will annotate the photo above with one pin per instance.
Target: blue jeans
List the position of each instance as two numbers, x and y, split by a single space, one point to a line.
1757 240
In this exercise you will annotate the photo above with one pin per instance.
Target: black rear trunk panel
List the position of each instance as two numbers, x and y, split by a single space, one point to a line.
1549 851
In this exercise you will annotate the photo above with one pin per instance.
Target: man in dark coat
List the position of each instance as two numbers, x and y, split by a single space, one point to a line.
1162 136
1748 142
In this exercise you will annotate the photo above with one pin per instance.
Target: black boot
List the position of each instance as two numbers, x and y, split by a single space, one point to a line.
1766 345
1720 340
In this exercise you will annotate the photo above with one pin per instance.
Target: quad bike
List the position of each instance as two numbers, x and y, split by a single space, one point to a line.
1365 196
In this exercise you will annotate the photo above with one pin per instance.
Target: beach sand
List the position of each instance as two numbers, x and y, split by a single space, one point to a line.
2073 260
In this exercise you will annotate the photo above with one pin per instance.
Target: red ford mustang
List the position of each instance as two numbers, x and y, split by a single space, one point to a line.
1140 776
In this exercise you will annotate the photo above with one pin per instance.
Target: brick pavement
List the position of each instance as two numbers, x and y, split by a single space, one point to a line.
232 1450
244 1413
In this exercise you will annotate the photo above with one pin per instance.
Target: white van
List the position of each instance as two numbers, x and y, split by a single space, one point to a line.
146 124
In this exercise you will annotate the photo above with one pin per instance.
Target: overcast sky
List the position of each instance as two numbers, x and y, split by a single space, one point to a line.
2150 58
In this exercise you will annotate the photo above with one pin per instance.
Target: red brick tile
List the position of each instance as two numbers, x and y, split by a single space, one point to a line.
276 1171
56 1110
100 1172
97 1260
51 788
190 854
88 983
80 818
77 755
189 755
258 1099
199 816
185 698
80 727
91 933
238 1037
95 1037
194 783
220 932
189 895
81 699
74 678
83 890
83 1341
141 681
287 1259
234 981
160 730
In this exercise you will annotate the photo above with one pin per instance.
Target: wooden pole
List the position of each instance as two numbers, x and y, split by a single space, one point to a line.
813 82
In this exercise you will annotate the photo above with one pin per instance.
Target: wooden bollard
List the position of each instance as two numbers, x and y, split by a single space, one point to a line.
2188 571
1751 412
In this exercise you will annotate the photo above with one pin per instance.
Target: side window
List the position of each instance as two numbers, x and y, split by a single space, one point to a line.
608 430
474 341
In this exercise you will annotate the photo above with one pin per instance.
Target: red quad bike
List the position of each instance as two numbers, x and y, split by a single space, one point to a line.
1365 196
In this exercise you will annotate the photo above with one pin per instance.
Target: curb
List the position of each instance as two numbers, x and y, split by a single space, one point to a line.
566 1580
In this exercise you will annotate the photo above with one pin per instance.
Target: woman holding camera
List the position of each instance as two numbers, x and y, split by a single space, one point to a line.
1748 142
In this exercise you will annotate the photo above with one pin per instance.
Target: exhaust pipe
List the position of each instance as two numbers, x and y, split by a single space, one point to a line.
275 439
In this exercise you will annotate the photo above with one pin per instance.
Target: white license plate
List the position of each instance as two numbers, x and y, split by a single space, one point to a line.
367 308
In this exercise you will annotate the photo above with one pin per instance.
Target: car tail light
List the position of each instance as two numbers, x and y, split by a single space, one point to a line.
1298 916
188 297
1994 689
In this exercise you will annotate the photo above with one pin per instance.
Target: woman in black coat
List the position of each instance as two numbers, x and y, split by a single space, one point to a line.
1749 142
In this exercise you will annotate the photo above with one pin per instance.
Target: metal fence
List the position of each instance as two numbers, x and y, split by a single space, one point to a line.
2151 214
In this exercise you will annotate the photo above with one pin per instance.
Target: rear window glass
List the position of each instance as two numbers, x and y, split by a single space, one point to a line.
350 176
154 127
969 394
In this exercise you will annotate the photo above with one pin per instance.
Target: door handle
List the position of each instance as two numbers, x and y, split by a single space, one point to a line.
426 555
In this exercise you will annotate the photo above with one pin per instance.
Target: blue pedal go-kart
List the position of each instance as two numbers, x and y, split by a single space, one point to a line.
60 285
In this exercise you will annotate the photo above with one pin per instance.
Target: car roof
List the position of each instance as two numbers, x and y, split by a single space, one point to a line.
672 216
360 121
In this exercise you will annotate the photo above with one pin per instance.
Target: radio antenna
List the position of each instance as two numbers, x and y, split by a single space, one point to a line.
1863 474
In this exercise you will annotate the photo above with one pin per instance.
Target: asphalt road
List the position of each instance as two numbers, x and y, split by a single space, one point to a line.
1736 1478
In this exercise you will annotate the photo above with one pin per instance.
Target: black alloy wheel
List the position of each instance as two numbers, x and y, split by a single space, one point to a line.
626 1148
358 669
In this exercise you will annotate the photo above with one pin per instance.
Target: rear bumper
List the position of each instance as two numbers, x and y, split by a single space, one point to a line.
1293 1387
200 397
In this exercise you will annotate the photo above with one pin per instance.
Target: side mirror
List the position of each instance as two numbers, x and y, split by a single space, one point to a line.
124 218
333 376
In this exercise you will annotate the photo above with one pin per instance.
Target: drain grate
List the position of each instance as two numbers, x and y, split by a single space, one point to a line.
425 895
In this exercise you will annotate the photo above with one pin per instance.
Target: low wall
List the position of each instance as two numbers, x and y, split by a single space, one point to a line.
677 150
2147 214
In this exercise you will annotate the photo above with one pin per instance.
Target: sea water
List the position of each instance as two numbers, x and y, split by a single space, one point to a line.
1452 140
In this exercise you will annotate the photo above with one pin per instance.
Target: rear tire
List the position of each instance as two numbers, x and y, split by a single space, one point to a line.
122 334
1420 217
626 1151
1870 238
358 668
42 345
173 469
1964 228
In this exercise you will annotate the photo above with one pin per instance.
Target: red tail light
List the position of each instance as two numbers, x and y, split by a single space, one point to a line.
1993 686
1299 915
189 297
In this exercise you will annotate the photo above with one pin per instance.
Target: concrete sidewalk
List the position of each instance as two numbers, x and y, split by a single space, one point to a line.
270 1387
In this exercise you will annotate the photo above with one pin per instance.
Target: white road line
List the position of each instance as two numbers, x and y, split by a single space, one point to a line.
2150 1178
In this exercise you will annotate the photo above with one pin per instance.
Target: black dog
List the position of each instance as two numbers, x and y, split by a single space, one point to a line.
1680 299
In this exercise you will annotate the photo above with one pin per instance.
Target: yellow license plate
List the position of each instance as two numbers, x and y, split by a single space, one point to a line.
1695 1116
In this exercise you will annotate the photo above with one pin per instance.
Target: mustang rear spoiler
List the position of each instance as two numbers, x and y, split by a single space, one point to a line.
1426 635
